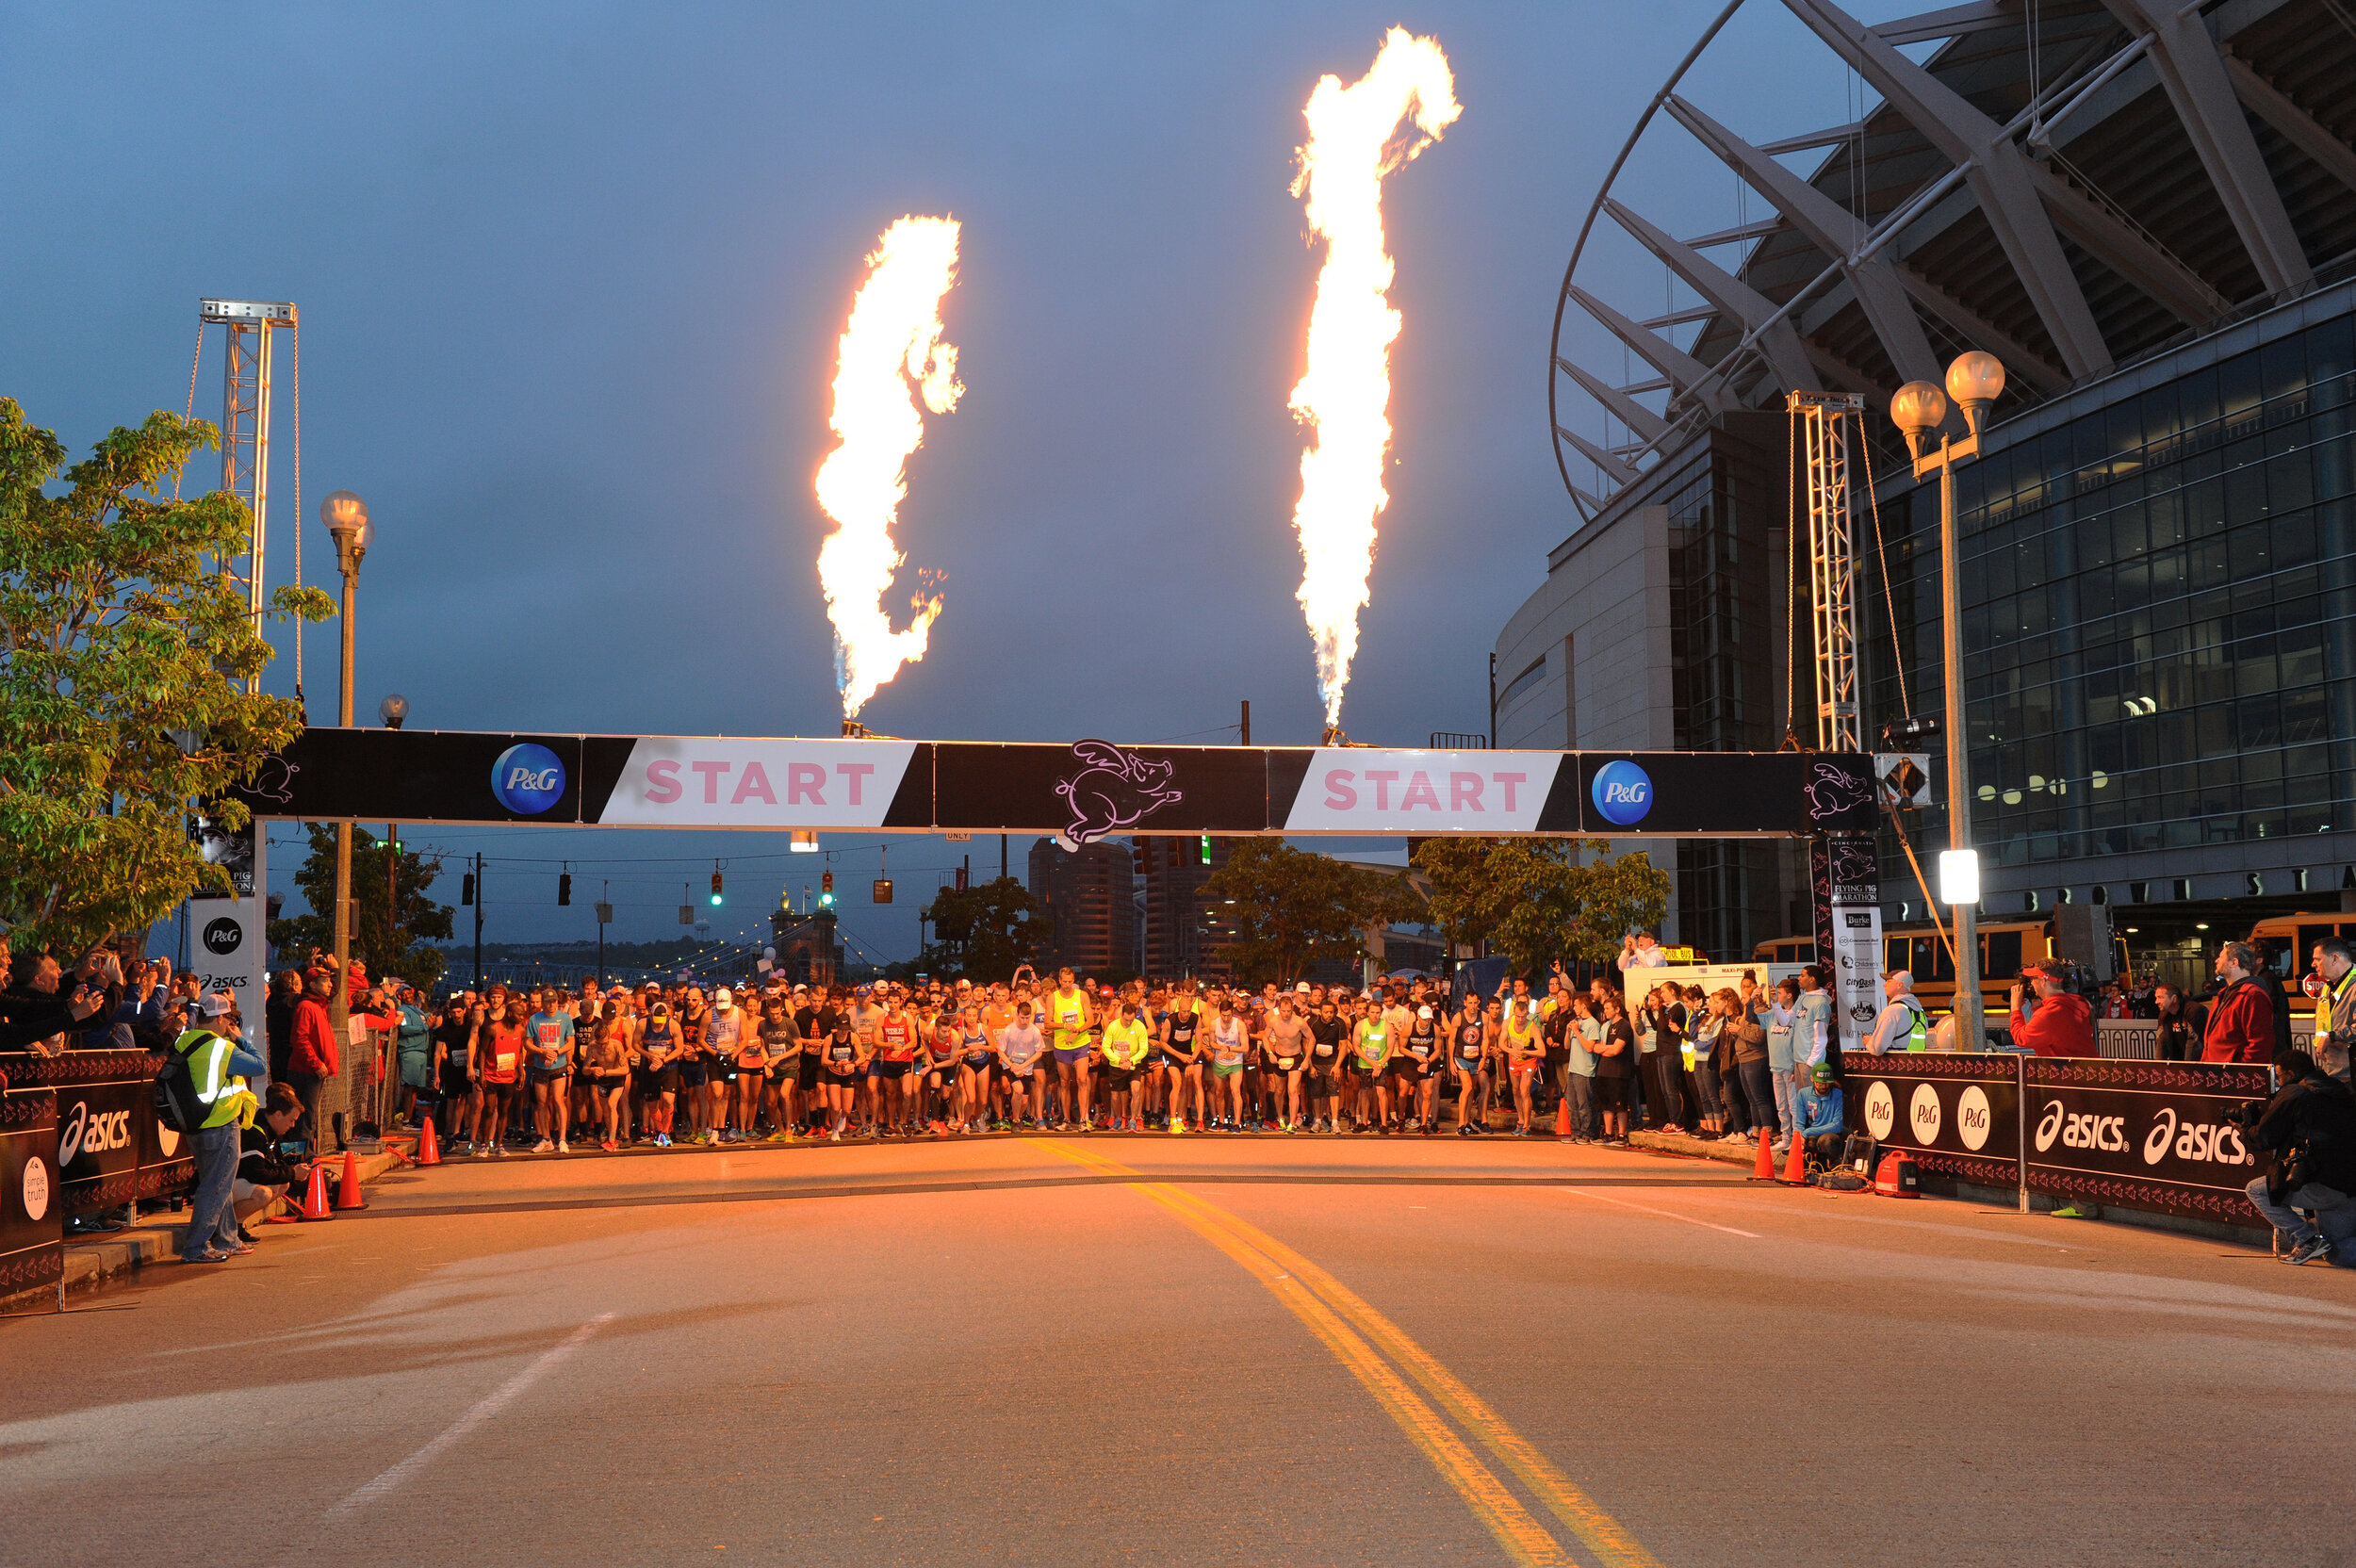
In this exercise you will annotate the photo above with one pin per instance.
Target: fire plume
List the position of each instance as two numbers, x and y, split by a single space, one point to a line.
890 346
1355 138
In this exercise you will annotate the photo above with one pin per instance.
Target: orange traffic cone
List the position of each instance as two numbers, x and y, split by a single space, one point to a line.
429 1149
1765 1168
348 1190
1795 1167
1563 1118
315 1202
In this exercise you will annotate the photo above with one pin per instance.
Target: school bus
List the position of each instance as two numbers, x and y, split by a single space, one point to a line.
2005 946
2288 941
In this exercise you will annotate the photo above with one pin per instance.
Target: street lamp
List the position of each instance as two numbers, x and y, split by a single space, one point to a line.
347 518
1974 380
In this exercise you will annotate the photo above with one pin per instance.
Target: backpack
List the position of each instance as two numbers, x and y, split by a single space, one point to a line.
177 1103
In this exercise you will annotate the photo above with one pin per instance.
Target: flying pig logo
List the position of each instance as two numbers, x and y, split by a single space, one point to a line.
1118 789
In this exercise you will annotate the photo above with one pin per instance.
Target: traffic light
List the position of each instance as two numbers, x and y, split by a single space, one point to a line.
466 889
716 889
1206 849
565 887
826 890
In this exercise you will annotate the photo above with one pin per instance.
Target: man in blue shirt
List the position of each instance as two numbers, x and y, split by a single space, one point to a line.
548 1054
1817 1103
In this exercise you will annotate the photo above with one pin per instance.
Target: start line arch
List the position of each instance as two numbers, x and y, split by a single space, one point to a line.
1087 790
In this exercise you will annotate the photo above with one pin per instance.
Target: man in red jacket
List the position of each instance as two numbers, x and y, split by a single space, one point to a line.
2063 1026
2241 1019
313 1058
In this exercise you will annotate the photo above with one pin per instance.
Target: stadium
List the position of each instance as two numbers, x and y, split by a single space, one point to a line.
2149 215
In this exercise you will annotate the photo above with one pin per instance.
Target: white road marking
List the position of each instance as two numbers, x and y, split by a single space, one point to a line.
1665 1214
485 1408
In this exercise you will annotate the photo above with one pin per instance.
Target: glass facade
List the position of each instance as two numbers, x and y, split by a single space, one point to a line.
2159 608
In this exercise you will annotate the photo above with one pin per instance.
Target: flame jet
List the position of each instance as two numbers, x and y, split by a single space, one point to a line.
1345 392
891 343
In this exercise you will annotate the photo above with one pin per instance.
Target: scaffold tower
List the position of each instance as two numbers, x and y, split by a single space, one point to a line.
245 424
1822 420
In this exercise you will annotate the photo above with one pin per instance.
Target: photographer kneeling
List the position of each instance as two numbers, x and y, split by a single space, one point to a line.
2310 1128
263 1171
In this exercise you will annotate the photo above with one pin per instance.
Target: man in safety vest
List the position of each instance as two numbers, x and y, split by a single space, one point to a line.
1903 1025
2335 1008
219 1065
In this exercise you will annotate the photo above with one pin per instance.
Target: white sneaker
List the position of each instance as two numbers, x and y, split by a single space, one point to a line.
563 1148
542 1147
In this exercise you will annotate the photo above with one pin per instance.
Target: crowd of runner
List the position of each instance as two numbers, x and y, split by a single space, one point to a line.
675 1064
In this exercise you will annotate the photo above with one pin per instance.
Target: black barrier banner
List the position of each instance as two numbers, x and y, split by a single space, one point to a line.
2145 1135
1087 790
110 1149
32 1221
1958 1113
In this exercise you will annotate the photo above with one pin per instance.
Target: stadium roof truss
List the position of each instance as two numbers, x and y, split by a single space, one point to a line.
2070 186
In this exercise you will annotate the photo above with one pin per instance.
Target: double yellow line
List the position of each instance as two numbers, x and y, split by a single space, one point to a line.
1361 1338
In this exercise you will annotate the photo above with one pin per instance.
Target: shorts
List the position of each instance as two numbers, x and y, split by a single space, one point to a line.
806 1069
1226 1070
786 1071
1523 1069
1065 1058
1468 1064
1610 1093
1118 1078
496 1085
693 1074
550 1074
881 1068
455 1084
1021 1074
1284 1064
1411 1069
977 1064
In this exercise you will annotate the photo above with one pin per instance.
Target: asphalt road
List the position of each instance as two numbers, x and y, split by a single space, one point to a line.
1197 1350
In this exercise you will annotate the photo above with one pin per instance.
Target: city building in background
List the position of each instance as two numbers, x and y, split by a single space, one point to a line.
1182 930
2148 213
1088 894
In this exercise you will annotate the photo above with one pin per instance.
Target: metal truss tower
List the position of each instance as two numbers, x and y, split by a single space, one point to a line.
1822 423
245 424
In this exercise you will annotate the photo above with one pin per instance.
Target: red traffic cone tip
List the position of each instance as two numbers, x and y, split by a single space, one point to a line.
348 1194
429 1148
315 1200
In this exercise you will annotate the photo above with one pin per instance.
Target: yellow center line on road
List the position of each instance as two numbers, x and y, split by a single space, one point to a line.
1347 1324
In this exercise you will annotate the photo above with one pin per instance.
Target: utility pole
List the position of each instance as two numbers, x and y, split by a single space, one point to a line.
1492 702
1247 721
1002 856
478 921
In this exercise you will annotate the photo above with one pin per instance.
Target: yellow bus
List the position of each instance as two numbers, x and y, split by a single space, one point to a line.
2005 946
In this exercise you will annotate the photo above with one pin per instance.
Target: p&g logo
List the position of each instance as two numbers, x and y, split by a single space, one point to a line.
1622 793
528 779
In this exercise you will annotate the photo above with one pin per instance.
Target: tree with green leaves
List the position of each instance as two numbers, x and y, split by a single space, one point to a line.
395 921
1294 909
985 931
1535 900
125 654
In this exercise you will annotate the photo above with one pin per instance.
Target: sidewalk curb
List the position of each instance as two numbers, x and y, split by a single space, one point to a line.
93 1261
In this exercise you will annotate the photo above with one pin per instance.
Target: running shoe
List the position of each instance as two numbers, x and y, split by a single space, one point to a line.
663 1140
563 1147
543 1147
499 1152
2309 1250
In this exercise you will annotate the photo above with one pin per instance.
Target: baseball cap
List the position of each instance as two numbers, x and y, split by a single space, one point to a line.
1821 1072
724 994
1301 989
218 1005
1423 1012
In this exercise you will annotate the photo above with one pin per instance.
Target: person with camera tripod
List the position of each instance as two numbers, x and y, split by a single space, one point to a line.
2310 1129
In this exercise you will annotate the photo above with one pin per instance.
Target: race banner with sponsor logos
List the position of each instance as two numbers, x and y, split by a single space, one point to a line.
110 1149
2134 1135
1084 790
1958 1113
32 1221
2145 1135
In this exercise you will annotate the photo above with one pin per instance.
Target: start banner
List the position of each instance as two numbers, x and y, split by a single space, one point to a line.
1088 790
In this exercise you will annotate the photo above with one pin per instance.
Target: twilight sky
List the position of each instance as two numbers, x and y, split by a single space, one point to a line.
570 279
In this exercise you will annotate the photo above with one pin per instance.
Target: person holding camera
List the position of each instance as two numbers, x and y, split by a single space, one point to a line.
266 1172
2310 1129
2062 1026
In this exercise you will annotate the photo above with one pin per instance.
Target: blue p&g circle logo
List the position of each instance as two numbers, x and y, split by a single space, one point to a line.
1622 791
528 779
